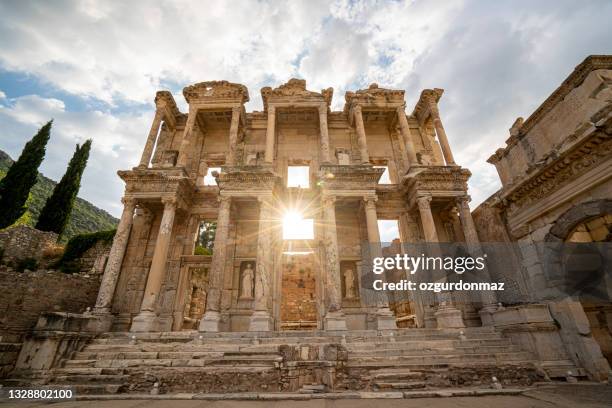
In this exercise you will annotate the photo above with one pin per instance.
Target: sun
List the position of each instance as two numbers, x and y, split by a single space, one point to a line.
295 226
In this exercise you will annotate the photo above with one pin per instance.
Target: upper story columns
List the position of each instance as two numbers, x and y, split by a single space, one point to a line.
165 111
270 134
427 108
361 135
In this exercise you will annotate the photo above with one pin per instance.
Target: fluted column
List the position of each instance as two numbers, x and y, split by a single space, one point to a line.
115 258
185 142
233 135
427 221
334 319
324 133
147 152
270 134
406 136
385 318
488 298
361 136
261 320
211 319
145 321
446 150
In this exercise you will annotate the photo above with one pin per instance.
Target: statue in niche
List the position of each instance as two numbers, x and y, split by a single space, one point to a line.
349 284
248 275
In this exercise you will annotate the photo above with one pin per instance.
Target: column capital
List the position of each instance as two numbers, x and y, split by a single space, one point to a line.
223 199
271 109
328 199
128 201
424 202
463 200
370 201
169 201
236 110
357 109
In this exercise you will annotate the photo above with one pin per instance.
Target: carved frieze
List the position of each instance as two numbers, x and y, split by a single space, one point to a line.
355 177
438 180
247 178
157 184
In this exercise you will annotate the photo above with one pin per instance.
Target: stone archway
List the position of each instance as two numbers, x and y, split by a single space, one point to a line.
590 222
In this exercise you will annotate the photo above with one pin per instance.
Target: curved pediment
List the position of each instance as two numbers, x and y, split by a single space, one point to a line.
216 90
295 90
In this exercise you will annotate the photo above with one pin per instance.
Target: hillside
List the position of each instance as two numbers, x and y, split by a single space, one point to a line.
85 216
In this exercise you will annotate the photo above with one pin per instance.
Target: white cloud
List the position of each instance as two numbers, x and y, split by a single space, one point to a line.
496 61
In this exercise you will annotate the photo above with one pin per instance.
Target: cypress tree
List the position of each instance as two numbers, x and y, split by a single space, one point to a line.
21 177
54 215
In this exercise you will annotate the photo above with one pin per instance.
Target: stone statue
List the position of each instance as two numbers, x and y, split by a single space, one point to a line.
247 282
349 284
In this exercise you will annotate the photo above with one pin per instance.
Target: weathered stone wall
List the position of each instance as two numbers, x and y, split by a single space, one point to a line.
23 296
94 259
22 242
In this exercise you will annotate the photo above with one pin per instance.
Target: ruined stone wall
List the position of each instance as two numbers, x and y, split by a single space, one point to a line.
552 128
23 296
22 242
94 259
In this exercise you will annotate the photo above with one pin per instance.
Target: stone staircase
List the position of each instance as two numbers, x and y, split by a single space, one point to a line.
306 361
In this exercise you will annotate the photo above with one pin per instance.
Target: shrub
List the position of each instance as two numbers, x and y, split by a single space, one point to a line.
77 246
27 263
200 250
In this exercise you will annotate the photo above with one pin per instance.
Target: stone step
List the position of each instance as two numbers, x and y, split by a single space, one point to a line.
98 389
430 344
400 385
442 359
435 351
394 374
71 370
265 360
90 378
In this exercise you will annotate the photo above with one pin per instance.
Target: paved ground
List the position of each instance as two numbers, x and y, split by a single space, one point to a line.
565 396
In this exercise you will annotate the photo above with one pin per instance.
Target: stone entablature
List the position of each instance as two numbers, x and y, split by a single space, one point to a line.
444 182
217 92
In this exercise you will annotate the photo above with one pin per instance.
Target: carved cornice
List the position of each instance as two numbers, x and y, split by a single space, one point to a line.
571 165
165 103
373 95
295 91
427 104
445 181
354 177
247 179
147 184
211 91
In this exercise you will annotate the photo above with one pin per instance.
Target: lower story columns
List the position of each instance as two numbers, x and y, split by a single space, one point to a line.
447 316
261 319
212 318
384 316
334 318
147 319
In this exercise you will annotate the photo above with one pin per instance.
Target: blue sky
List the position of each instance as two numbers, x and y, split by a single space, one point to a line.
95 66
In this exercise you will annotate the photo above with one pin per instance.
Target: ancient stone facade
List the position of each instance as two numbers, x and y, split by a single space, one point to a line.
556 174
315 283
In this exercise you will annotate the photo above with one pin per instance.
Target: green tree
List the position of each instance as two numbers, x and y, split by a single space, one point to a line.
57 209
21 176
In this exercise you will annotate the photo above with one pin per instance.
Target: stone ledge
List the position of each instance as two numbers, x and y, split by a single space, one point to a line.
280 396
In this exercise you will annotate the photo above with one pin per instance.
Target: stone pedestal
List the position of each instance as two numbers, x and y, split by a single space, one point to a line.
486 315
449 317
385 320
146 321
211 322
261 321
335 321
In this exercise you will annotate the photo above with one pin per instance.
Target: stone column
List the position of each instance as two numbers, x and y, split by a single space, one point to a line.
427 221
150 144
115 258
211 319
488 298
270 134
446 150
261 320
361 136
384 317
324 133
183 150
446 314
334 319
233 136
146 319
407 137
